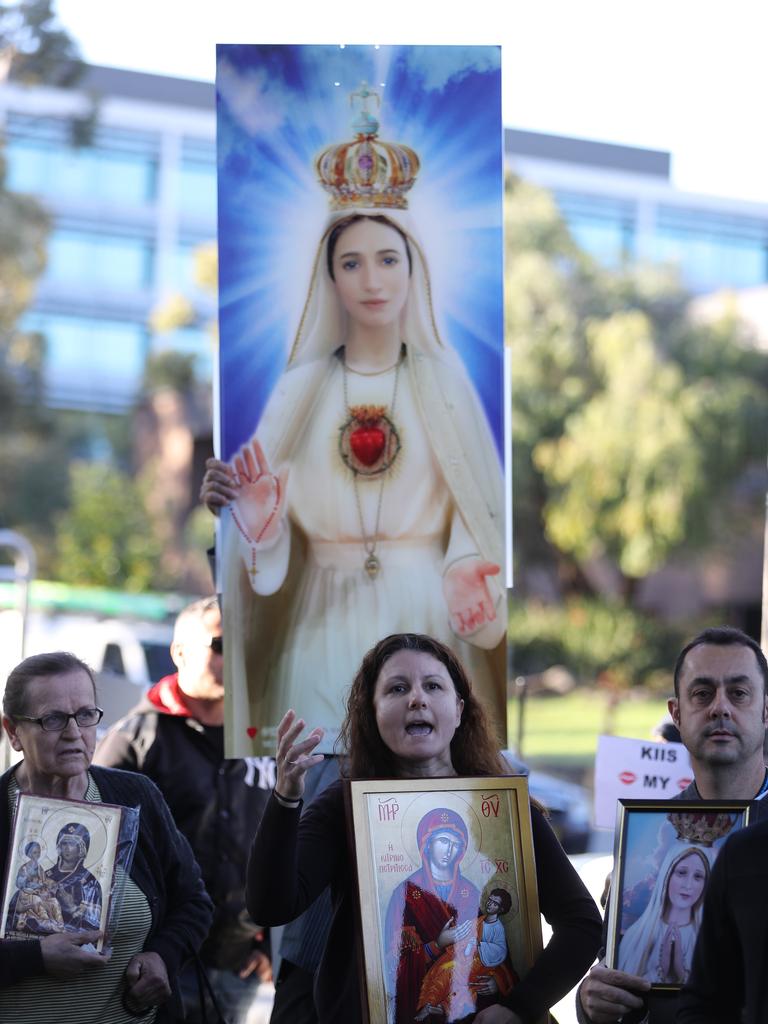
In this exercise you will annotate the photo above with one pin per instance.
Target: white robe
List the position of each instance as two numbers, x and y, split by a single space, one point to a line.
325 612
629 956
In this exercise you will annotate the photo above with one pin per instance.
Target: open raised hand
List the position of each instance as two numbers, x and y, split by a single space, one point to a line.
469 601
294 756
260 501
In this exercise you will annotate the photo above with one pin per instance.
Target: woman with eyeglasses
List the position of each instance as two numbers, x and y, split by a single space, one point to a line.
50 716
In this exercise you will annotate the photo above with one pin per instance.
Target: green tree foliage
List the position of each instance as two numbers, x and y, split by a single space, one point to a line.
631 423
178 310
34 49
596 639
105 538
170 369
23 233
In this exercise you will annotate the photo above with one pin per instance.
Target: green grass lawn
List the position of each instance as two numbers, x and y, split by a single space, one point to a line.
561 733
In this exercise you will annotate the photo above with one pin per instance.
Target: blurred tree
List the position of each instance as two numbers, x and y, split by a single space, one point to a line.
170 369
178 310
23 233
206 270
596 639
34 49
631 423
106 538
174 417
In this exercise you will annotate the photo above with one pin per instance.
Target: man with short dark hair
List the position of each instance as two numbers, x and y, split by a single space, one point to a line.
722 636
176 737
720 706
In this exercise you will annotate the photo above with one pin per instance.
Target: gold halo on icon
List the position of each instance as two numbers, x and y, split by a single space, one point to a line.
82 816
427 802
32 837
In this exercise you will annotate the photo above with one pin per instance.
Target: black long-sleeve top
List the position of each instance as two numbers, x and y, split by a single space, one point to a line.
293 858
728 983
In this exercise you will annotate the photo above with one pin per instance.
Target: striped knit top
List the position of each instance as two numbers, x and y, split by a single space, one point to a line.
95 996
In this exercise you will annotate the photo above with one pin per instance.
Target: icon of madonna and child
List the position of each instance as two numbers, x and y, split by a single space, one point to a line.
369 499
661 911
445 946
65 897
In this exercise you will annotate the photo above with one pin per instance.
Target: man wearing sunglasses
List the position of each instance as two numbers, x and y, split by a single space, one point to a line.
176 737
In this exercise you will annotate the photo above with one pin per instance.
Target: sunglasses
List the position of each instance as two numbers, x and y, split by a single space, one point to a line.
217 644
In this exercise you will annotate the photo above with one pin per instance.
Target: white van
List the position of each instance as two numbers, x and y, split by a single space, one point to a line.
127 655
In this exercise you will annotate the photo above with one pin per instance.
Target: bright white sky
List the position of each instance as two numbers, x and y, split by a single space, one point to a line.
687 76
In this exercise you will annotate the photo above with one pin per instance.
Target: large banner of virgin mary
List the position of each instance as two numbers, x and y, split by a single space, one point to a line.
361 384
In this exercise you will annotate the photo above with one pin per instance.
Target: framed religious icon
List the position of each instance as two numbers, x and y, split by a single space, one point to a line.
66 858
449 914
663 859
360 400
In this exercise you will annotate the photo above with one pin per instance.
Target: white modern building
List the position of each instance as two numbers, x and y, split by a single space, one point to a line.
621 207
128 210
130 207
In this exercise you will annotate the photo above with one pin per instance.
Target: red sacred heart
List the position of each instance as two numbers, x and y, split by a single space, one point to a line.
251 730
367 444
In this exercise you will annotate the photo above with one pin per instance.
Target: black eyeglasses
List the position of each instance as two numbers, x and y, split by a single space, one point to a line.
57 721
217 644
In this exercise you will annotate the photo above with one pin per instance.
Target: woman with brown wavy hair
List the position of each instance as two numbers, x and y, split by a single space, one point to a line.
474 748
411 713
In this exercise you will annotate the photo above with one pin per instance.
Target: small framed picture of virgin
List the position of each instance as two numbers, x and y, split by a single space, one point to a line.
62 874
449 915
663 859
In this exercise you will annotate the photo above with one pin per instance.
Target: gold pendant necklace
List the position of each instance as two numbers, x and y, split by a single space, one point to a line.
367 450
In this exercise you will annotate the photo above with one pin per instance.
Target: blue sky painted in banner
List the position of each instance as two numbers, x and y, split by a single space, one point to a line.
278 107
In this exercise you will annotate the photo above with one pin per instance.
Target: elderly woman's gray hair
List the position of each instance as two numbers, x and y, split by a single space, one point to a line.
39 666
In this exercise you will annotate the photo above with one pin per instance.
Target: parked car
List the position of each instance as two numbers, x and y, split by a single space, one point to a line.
569 805
127 655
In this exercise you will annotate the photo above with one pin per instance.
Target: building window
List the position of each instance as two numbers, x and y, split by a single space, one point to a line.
711 250
119 166
91 258
197 179
183 269
89 362
197 190
602 227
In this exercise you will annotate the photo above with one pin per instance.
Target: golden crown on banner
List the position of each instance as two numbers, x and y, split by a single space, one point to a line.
700 827
367 172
